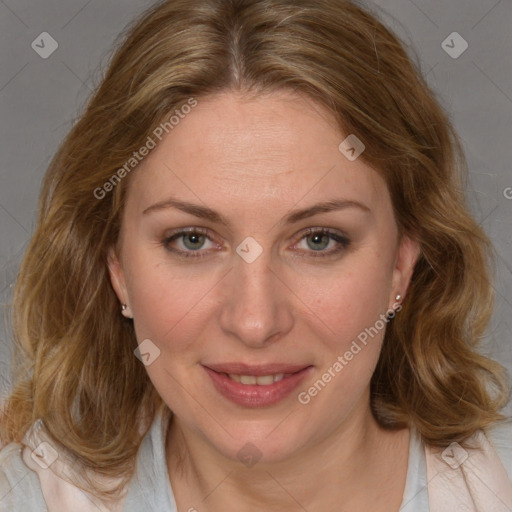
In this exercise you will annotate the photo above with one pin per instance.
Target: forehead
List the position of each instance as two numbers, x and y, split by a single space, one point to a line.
237 150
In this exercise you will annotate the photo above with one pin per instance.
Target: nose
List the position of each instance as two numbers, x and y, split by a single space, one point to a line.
257 305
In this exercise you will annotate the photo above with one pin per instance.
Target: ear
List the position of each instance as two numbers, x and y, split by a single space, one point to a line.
117 279
407 255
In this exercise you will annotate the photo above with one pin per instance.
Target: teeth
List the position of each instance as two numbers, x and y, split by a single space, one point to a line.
260 380
248 379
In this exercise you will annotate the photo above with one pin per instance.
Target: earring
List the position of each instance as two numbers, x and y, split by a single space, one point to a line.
391 313
124 311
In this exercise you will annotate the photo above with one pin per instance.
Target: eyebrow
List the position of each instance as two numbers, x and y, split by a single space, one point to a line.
203 212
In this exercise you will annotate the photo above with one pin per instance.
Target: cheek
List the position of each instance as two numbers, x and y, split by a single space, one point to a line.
169 305
353 308
350 301
349 308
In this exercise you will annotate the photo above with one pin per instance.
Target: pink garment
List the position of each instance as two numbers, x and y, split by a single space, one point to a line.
472 480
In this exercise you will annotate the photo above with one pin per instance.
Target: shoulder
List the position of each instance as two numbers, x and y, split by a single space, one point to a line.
500 436
477 476
20 490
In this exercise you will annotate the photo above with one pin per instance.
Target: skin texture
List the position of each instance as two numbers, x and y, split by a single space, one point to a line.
255 160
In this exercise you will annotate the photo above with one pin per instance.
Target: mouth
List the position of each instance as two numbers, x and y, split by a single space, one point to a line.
256 386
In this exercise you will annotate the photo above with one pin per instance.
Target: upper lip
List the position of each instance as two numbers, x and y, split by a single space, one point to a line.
256 370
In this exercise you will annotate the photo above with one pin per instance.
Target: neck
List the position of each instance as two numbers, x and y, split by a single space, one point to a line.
352 468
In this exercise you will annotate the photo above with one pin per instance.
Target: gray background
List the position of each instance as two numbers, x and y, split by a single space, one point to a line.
40 98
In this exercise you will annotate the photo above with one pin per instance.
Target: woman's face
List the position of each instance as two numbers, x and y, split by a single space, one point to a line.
252 246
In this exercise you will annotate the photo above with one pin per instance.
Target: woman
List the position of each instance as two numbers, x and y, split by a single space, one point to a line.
254 282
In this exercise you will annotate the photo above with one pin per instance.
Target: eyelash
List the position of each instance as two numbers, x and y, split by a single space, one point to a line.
343 242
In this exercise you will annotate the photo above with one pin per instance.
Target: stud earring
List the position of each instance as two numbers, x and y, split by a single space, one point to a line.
124 311
398 297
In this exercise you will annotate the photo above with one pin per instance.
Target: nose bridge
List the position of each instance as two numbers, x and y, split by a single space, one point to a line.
255 307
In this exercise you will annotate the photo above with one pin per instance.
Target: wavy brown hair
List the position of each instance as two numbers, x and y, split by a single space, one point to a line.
75 367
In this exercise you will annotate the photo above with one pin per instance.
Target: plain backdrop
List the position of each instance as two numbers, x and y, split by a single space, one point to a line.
41 97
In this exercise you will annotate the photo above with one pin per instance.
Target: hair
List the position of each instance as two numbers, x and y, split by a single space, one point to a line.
74 362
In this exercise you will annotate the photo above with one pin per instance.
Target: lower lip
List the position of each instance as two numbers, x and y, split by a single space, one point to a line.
249 395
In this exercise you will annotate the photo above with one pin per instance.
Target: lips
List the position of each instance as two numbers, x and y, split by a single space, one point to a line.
246 391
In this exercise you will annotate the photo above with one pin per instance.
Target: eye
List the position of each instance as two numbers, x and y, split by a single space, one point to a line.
317 240
189 241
